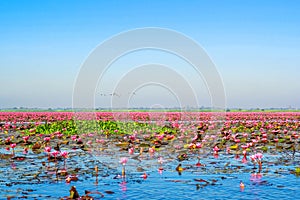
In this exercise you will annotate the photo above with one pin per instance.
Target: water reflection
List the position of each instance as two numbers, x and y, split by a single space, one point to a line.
123 186
160 171
256 178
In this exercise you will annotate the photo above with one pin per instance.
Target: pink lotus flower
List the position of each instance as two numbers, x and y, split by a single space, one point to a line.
84 135
132 137
264 140
237 140
131 150
198 145
64 154
48 149
32 130
211 127
123 160
79 140
258 156
25 138
213 137
192 146
195 138
146 136
216 149
253 158
55 153
90 134
100 141
254 141
13 145
151 150
245 135
74 137
170 137
160 137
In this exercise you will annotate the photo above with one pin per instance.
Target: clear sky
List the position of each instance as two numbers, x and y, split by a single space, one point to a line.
255 46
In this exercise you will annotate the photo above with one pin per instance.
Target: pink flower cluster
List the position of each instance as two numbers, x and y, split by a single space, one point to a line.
123 160
256 157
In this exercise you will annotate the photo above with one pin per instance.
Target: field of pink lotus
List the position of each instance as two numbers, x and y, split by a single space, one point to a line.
129 155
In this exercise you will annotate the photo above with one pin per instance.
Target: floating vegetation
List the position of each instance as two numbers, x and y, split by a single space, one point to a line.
91 155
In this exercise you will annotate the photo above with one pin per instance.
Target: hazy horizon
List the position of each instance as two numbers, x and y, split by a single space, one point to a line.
254 45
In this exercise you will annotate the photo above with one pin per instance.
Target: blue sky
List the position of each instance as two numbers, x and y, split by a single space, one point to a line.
255 46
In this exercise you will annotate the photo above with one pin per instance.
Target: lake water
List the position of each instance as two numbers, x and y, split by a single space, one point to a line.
31 176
